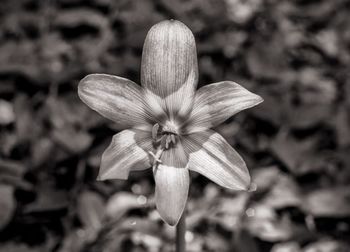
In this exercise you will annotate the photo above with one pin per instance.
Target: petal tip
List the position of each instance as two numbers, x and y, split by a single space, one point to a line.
172 222
246 185
101 175
245 181
84 81
172 24
170 215
253 101
84 86
259 99
99 178
238 187
169 219
171 29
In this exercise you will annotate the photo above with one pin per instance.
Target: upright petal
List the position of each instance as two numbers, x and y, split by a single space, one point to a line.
169 66
217 102
128 151
211 156
117 99
172 184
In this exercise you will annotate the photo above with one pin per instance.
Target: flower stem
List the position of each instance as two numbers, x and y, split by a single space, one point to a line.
180 234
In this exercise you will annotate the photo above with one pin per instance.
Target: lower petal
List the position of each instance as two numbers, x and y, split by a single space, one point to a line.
211 156
172 184
128 151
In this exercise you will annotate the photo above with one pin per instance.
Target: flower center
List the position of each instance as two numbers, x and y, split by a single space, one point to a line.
165 136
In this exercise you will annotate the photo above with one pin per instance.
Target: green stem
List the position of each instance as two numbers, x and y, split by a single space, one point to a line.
180 234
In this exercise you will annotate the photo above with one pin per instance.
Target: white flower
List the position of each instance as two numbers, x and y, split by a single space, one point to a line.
166 122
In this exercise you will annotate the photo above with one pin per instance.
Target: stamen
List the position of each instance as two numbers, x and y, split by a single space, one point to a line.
164 136
156 157
155 131
173 139
167 142
163 141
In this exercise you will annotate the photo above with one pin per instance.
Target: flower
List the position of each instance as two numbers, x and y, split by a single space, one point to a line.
166 124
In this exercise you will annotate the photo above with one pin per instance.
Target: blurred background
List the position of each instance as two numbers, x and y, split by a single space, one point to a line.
295 54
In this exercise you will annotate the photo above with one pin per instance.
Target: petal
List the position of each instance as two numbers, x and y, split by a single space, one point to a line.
211 156
116 98
217 102
169 66
172 184
128 151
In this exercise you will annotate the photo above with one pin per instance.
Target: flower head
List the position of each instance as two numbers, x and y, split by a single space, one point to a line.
166 124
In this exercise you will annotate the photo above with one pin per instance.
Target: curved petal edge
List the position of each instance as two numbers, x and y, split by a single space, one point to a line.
211 156
128 151
117 99
217 102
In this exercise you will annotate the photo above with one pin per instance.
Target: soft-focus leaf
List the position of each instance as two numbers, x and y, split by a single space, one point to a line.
71 140
283 193
292 152
91 210
286 247
328 202
242 11
265 177
228 211
15 247
216 242
342 125
48 199
122 202
264 223
265 59
327 246
11 173
7 205
7 114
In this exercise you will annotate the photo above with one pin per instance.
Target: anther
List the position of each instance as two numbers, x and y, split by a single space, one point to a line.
163 141
164 136
167 142
173 139
155 131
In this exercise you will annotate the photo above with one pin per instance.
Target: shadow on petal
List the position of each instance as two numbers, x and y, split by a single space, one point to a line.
211 156
128 151
117 99
169 67
172 183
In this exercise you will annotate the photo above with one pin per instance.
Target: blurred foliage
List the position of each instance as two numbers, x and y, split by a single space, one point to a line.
295 54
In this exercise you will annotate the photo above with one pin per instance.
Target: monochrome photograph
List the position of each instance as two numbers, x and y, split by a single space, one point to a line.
174 126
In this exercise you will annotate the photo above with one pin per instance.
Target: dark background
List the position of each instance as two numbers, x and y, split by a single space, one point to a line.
295 54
